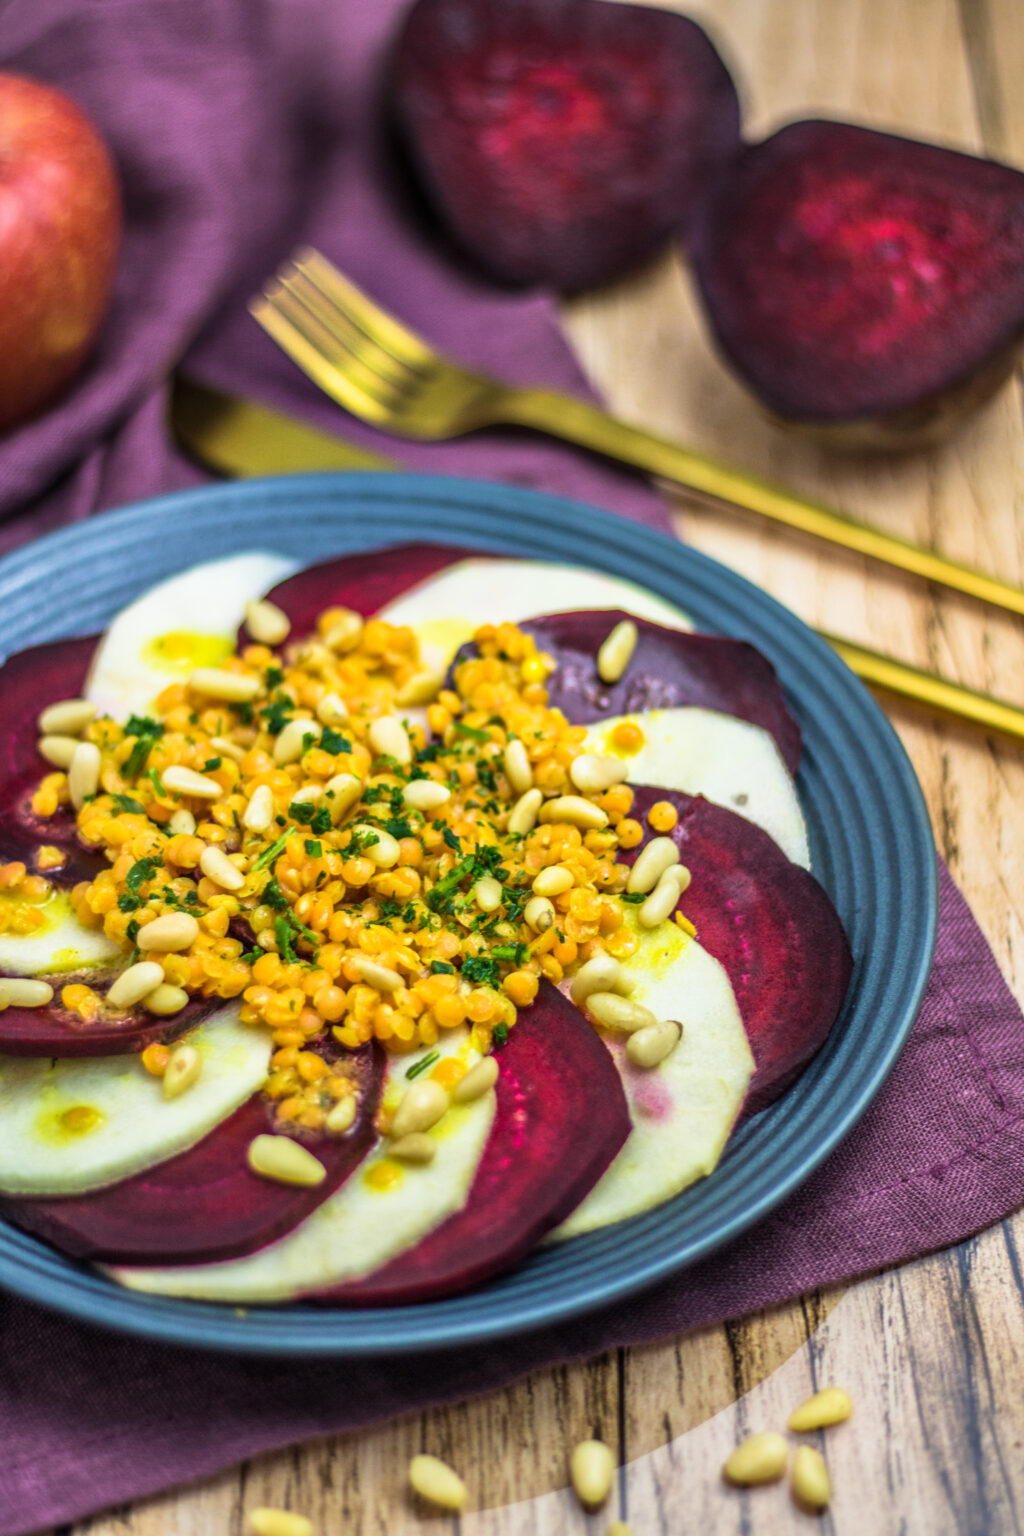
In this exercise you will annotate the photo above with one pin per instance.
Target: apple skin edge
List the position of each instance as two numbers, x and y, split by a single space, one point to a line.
206 1204
561 1118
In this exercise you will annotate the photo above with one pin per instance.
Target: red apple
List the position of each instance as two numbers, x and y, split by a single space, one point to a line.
60 232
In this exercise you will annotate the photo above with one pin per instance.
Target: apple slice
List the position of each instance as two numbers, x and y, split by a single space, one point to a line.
72 1126
185 622
207 1203
382 1209
561 1118
772 927
732 762
682 1110
29 681
666 669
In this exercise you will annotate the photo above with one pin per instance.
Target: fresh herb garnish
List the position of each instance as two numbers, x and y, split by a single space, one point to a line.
270 854
499 1035
277 714
143 725
481 968
452 840
127 803
398 826
334 742
212 763
634 898
419 1067
321 823
302 811
273 677
126 903
314 849
141 871
471 731
273 896
441 968
519 953
154 779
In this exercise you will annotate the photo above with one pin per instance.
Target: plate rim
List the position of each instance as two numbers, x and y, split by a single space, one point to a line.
190 1324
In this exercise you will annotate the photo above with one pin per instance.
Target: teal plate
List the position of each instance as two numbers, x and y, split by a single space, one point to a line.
871 846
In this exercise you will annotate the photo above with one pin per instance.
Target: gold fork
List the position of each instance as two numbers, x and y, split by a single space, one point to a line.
379 370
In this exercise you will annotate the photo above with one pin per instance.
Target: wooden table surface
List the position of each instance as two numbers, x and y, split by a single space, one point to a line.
933 1353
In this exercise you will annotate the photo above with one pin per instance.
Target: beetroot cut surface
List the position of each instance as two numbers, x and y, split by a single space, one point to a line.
561 141
669 668
561 1118
772 927
205 1204
29 681
849 274
56 1031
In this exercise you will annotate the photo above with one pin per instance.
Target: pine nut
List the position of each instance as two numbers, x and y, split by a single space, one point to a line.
435 1481
477 1081
345 633
341 793
553 881
183 781
517 767
592 774
576 811
342 1117
426 794
650 1046
232 687
216 866
385 852
58 750
165 1000
332 709
276 1522
652 861
68 717
417 1147
487 893
661 903
259 813
183 1070
616 1012
389 738
294 740
619 1528
84 773
422 1105
135 983
285 1161
171 931
811 1482
421 688
601 974
309 795
592 1469
616 653
539 914
829 1406
757 1459
227 748
182 823
380 976
16 992
266 622
523 816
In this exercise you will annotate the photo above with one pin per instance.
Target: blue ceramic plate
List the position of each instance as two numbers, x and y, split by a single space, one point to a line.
870 841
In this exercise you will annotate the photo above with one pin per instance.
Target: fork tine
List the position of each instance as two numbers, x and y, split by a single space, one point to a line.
337 322
332 348
374 322
312 362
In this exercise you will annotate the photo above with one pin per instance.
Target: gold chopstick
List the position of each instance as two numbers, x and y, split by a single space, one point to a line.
934 692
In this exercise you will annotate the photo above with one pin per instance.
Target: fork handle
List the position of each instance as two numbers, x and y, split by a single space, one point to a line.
577 422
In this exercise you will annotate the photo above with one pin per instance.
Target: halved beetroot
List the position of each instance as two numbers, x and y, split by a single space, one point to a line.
561 1118
773 928
864 282
561 141
669 667
206 1204
363 582
29 681
56 1031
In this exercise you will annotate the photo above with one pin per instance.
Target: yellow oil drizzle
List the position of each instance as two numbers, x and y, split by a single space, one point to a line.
444 634
180 651
59 1126
383 1175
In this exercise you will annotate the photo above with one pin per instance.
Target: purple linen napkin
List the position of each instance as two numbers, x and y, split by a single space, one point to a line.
223 173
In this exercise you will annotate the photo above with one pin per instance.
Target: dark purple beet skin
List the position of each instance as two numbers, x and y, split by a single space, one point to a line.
770 924
561 141
56 1031
849 275
365 582
206 1204
561 1118
29 681
669 668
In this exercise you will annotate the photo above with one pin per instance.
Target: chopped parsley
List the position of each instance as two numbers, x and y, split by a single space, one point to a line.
212 763
141 871
273 896
277 714
499 1035
333 742
321 823
143 725
273 677
398 826
474 734
270 854
441 968
481 968
452 840
634 898
314 849
518 953
302 811
419 1067
128 804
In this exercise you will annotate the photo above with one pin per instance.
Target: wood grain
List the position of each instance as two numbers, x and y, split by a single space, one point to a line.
933 1352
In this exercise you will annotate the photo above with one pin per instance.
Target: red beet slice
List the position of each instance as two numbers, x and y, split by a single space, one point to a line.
561 141
56 1031
29 681
205 1204
773 928
669 668
561 1118
364 582
851 275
